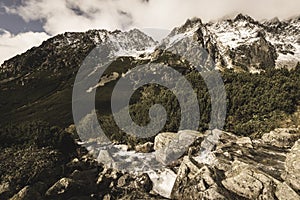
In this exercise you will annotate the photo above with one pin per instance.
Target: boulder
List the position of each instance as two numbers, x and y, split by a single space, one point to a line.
163 182
244 141
66 188
284 192
163 139
144 148
106 158
248 182
27 193
244 184
282 137
292 167
177 147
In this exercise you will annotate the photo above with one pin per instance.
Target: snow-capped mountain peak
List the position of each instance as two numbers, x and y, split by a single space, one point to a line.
242 43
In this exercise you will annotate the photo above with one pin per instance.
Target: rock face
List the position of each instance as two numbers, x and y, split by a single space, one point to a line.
292 167
240 43
195 181
259 55
243 169
284 192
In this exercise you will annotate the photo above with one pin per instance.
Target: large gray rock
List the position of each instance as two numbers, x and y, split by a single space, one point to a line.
163 182
244 184
282 137
242 168
292 167
163 139
172 149
248 182
106 158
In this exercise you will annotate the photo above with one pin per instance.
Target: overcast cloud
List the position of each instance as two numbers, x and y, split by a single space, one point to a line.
11 45
59 16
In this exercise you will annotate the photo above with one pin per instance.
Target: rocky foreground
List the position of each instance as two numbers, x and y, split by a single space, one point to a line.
231 167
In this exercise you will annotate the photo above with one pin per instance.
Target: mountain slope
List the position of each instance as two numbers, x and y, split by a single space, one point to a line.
38 84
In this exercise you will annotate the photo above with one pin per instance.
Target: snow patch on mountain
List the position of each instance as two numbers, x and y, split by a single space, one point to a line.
172 40
234 34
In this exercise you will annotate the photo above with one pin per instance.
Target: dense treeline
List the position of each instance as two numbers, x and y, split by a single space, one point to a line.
258 101
255 102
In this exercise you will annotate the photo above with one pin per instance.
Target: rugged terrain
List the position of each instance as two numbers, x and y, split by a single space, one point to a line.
218 165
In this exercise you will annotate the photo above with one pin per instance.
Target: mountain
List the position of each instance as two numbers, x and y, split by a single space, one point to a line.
41 79
243 43
255 156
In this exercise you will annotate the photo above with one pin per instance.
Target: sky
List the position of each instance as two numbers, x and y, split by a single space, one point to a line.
26 23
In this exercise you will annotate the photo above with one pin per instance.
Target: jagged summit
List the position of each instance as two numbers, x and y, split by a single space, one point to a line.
241 17
189 24
275 20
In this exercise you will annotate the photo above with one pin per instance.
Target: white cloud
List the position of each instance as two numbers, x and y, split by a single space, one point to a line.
62 15
12 45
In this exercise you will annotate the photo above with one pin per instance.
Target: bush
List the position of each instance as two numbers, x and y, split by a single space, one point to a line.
39 134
